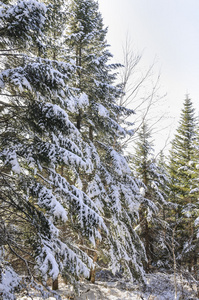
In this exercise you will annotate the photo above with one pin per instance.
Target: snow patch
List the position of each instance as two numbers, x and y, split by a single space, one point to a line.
120 163
142 191
9 281
83 100
11 157
102 111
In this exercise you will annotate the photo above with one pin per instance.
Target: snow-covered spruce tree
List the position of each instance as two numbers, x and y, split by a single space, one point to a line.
36 138
88 47
110 185
184 186
55 29
152 227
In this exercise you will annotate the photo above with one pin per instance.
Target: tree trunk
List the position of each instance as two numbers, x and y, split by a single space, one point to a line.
79 118
147 244
93 270
174 262
195 266
91 133
78 64
145 235
55 284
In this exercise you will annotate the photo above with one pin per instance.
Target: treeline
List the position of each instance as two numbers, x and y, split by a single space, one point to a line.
171 237
70 202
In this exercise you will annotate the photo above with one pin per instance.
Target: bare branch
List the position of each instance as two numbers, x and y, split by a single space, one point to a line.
141 91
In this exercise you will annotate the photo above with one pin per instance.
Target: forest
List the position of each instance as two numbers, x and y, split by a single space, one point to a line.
73 201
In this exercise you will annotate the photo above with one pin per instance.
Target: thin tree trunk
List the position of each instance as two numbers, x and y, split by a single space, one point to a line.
147 245
174 262
93 270
91 133
78 64
79 118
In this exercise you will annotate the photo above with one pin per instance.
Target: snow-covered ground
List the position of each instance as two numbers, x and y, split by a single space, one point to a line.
160 286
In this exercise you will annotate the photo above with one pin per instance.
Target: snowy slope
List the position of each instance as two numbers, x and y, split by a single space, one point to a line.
160 286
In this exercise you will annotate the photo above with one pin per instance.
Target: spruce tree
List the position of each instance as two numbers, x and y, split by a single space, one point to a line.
55 29
153 182
37 138
62 179
184 187
87 45
110 184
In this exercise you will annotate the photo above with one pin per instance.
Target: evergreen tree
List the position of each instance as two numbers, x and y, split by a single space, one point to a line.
60 185
184 187
55 29
36 138
153 185
95 76
110 184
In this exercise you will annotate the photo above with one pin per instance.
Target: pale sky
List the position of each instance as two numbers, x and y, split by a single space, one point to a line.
166 31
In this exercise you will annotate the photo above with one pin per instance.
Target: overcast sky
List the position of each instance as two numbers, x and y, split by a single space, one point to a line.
166 31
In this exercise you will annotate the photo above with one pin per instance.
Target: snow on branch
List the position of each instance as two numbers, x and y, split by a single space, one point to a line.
22 20
36 77
10 280
120 163
47 199
69 259
86 209
11 158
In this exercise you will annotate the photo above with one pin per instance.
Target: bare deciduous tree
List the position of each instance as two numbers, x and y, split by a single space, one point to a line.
140 91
